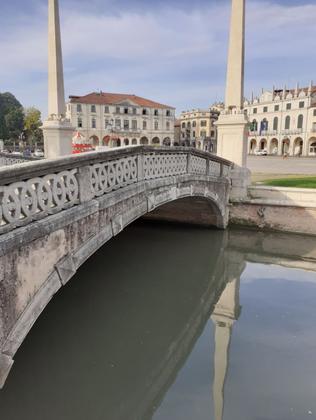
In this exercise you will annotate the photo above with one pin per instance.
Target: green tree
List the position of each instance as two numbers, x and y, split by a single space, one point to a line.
32 124
14 121
10 114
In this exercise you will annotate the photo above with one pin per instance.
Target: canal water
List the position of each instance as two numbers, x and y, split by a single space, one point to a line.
176 323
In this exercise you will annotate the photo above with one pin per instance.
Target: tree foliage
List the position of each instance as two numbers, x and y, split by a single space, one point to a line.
32 124
11 116
15 121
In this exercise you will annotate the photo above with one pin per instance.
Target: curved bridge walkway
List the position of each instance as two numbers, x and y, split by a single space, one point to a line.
54 214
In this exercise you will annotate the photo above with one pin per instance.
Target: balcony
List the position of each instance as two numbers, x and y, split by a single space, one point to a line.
124 131
292 132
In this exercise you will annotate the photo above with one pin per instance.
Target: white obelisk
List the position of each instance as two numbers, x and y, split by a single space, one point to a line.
57 128
232 124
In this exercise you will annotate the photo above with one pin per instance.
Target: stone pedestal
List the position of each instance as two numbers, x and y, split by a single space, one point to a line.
232 132
57 138
232 136
240 179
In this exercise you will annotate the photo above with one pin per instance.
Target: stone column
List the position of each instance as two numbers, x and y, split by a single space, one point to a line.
232 125
57 128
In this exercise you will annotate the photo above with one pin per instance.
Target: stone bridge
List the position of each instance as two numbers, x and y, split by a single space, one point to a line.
7 159
55 214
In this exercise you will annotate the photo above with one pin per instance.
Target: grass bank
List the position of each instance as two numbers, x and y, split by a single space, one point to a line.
299 182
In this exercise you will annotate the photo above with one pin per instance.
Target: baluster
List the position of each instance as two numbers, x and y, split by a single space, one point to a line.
208 166
140 167
84 182
189 163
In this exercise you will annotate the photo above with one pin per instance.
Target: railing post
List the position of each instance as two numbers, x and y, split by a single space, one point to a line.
84 182
221 170
189 163
140 167
208 166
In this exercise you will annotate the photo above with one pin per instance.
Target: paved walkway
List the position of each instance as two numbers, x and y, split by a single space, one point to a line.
277 165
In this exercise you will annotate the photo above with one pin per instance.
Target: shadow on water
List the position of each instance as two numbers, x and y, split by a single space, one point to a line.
110 345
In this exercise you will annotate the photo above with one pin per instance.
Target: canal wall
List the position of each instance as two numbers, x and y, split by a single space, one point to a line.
276 208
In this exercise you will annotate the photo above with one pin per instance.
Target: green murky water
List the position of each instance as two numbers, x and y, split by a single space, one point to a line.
170 323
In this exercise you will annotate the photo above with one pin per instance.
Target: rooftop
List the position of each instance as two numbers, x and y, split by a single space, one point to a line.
104 98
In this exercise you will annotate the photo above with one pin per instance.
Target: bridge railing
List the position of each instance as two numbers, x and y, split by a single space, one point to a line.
35 190
7 159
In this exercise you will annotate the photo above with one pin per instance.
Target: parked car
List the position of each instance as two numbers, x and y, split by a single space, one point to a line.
39 153
261 152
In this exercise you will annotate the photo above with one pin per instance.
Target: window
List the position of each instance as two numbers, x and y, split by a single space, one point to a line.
168 113
288 106
203 123
287 123
134 124
264 125
203 133
183 125
156 125
312 148
125 110
79 108
254 125
106 110
126 125
275 123
118 110
144 125
144 111
194 124
301 104
168 125
255 110
276 108
300 121
193 134
93 109
94 123
265 109
314 113
156 113
79 122
134 111
106 123
212 133
118 123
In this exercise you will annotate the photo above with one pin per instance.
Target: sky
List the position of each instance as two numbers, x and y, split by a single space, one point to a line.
171 51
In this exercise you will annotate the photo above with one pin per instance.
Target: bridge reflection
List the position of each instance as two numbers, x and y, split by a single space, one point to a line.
112 346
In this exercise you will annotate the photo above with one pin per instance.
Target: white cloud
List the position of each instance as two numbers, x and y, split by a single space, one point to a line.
172 54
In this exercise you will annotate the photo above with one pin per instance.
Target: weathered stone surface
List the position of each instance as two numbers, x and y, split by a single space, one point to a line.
6 363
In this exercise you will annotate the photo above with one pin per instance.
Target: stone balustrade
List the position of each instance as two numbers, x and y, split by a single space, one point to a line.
32 191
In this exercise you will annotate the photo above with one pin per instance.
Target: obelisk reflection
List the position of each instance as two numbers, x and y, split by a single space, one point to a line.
226 312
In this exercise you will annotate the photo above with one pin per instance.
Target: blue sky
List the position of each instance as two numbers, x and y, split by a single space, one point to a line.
171 51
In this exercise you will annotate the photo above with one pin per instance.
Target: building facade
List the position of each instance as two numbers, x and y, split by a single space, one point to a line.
114 120
198 128
283 122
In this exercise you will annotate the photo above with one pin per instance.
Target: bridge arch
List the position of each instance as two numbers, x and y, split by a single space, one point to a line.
48 252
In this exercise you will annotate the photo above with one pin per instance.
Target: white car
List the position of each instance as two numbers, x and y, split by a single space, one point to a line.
39 153
261 153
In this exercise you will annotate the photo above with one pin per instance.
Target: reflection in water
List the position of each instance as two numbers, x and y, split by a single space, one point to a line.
115 342
226 312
